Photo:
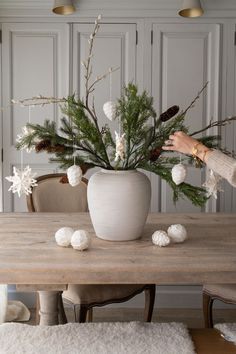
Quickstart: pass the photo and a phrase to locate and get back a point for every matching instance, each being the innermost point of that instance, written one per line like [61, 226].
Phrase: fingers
[171, 148]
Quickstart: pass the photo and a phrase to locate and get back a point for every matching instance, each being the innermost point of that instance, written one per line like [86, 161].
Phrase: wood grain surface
[30, 255]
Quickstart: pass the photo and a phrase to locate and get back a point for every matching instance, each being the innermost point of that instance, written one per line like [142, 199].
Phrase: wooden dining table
[31, 259]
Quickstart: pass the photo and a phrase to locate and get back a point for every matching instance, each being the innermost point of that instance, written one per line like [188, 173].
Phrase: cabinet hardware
[151, 37]
[234, 38]
[136, 37]
[0, 36]
[2, 155]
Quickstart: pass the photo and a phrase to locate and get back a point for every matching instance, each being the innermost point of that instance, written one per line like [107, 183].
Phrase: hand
[181, 142]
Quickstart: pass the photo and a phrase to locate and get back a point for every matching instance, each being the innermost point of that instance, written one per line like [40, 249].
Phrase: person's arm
[220, 163]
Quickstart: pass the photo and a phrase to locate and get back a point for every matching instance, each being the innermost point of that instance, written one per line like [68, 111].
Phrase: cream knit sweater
[222, 164]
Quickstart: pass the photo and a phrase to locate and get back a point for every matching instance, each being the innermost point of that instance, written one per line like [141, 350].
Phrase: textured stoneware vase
[119, 203]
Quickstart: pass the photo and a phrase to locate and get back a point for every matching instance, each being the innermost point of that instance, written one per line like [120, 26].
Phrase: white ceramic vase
[119, 203]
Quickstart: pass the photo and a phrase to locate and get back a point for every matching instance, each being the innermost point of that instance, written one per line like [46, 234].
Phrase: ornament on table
[212, 184]
[109, 108]
[179, 173]
[22, 181]
[63, 236]
[80, 240]
[160, 238]
[177, 233]
[120, 146]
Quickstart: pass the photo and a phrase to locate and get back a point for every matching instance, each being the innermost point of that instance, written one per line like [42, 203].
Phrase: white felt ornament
[178, 173]
[74, 174]
[63, 236]
[109, 108]
[212, 184]
[22, 181]
[177, 233]
[80, 240]
[160, 238]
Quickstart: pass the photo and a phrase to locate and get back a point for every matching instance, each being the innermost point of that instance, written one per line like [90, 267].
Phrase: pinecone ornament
[74, 174]
[179, 173]
[109, 108]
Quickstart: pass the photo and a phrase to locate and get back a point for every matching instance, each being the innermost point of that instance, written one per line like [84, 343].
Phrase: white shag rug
[96, 338]
[228, 331]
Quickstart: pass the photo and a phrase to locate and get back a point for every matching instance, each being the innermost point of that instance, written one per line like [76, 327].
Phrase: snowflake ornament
[25, 132]
[120, 146]
[22, 181]
[212, 184]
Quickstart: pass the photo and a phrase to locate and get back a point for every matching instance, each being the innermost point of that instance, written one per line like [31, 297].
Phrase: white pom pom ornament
[177, 233]
[80, 240]
[109, 108]
[160, 238]
[63, 236]
[74, 174]
[178, 173]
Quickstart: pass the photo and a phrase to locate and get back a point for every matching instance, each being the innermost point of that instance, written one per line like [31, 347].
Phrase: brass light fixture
[191, 8]
[63, 7]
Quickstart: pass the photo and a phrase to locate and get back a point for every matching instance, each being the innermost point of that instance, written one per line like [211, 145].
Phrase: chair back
[52, 196]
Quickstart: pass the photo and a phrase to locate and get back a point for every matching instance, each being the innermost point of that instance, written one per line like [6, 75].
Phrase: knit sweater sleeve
[224, 165]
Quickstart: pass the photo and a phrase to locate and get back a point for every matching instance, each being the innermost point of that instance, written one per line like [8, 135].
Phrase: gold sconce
[63, 7]
[191, 8]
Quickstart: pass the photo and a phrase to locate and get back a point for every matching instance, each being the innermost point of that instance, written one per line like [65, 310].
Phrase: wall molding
[113, 8]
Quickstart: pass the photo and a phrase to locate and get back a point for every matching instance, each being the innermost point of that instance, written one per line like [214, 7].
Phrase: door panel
[35, 61]
[184, 58]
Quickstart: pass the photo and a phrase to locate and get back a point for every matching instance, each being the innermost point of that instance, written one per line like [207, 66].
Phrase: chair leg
[81, 313]
[90, 315]
[61, 310]
[37, 308]
[207, 310]
[149, 302]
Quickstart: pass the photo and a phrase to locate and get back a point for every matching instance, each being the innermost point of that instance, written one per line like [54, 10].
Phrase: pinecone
[42, 145]
[171, 112]
[64, 179]
[154, 154]
[56, 148]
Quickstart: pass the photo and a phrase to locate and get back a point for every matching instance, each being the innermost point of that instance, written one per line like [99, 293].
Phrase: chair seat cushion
[87, 294]
[225, 292]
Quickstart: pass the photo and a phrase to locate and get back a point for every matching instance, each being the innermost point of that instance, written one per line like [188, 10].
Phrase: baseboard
[166, 297]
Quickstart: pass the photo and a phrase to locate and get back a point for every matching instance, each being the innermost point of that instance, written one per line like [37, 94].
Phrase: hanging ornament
[25, 132]
[212, 184]
[109, 108]
[179, 173]
[120, 146]
[22, 181]
[74, 174]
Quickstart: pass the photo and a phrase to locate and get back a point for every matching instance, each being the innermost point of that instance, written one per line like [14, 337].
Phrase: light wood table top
[30, 255]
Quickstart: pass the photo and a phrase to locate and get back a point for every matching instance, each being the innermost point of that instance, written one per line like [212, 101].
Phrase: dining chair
[225, 293]
[52, 196]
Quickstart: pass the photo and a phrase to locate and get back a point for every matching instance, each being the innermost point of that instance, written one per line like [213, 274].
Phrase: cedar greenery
[81, 138]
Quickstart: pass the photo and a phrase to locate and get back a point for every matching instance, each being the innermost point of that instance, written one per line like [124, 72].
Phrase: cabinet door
[184, 58]
[34, 62]
[114, 47]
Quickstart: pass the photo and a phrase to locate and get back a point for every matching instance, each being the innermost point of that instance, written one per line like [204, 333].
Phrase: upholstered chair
[225, 293]
[52, 196]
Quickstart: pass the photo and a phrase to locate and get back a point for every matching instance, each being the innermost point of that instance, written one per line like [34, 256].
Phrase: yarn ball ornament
[80, 240]
[160, 238]
[74, 174]
[179, 173]
[63, 236]
[109, 108]
[177, 233]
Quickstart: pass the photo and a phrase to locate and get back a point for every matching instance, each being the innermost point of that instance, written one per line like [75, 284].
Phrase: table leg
[49, 309]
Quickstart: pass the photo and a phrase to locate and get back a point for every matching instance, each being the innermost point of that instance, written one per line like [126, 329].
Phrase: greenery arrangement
[80, 139]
